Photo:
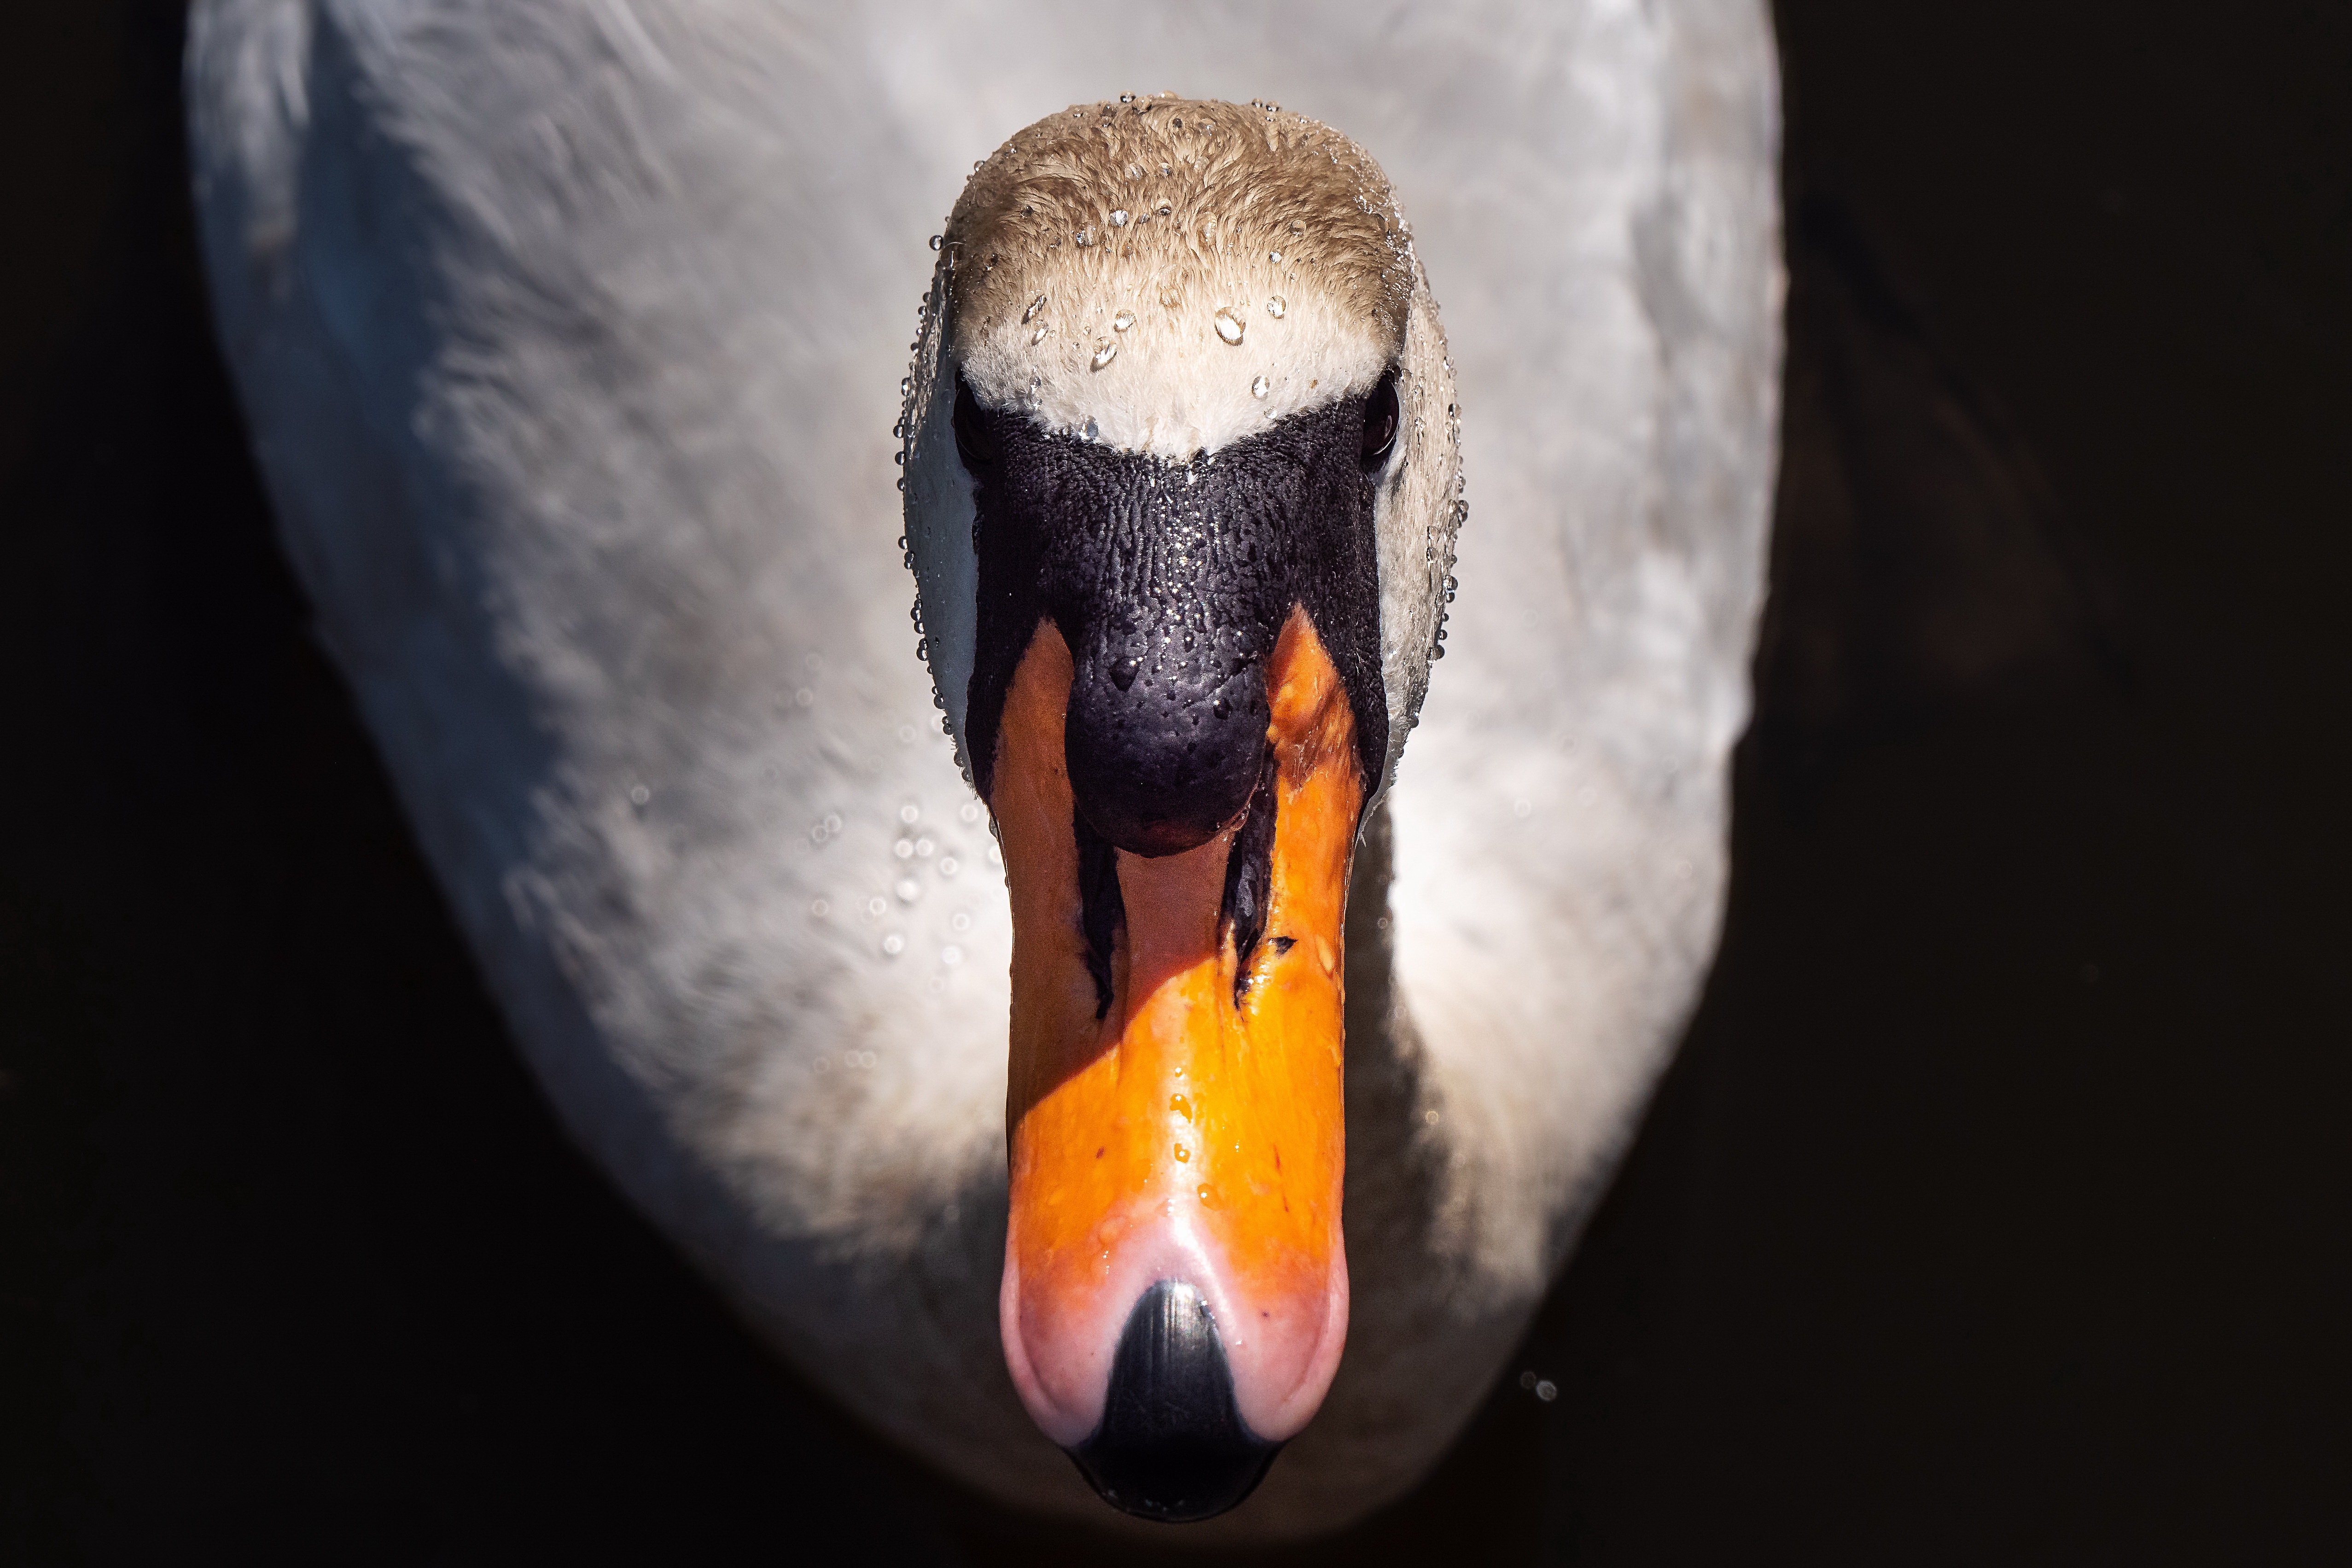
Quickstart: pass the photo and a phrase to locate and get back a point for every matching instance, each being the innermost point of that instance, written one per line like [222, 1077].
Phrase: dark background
[1998, 1208]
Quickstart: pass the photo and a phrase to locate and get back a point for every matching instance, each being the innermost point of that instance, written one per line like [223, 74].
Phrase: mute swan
[563, 333]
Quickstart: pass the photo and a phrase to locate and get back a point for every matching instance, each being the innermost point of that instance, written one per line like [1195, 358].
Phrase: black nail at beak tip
[1172, 1446]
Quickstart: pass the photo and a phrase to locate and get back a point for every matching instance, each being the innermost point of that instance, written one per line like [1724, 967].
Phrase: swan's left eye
[1380, 423]
[973, 441]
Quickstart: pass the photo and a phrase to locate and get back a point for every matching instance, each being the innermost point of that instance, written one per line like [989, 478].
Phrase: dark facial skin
[1171, 581]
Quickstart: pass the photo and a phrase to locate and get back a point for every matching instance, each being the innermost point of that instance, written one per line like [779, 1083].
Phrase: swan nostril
[1172, 1444]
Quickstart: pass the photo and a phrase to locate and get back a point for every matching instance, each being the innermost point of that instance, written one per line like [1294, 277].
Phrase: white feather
[569, 336]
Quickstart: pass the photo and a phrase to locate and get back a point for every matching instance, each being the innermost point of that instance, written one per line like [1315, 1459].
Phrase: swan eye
[1380, 423]
[973, 441]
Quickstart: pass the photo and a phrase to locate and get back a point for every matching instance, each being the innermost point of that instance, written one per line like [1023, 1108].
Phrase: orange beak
[1191, 1129]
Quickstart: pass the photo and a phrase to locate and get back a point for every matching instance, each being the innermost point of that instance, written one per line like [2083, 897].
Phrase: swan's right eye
[973, 444]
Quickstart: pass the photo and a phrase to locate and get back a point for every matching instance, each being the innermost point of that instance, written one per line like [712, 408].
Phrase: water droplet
[899, 458]
[894, 944]
[1220, 708]
[909, 890]
[1182, 1154]
[1123, 320]
[820, 908]
[1274, 257]
[960, 921]
[639, 794]
[1431, 1117]
[925, 848]
[1034, 306]
[1180, 1106]
[1118, 218]
[969, 811]
[875, 908]
[1105, 352]
[950, 956]
[906, 385]
[1260, 387]
[1037, 337]
[1207, 1196]
[1092, 431]
[910, 813]
[904, 848]
[1086, 237]
[1229, 325]
[1547, 1390]
[1276, 306]
[948, 866]
[936, 241]
[1122, 672]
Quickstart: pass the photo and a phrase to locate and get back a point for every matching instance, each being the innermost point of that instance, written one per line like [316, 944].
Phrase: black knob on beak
[1163, 740]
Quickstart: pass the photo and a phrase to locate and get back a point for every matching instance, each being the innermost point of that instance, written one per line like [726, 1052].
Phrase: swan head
[1182, 479]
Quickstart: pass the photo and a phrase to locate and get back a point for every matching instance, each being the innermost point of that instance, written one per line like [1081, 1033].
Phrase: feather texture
[567, 335]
